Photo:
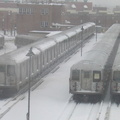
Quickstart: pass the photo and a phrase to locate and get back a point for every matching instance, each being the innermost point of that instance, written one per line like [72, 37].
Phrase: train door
[86, 81]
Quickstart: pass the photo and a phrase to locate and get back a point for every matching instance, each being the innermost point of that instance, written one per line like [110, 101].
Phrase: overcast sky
[106, 2]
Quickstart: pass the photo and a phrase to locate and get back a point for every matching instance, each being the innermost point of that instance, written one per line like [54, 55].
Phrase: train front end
[7, 75]
[86, 82]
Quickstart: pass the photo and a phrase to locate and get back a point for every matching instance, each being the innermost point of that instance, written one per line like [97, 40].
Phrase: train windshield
[96, 76]
[75, 74]
[116, 76]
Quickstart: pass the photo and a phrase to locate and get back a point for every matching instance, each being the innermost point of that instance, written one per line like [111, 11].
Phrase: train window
[10, 70]
[75, 74]
[116, 76]
[2, 68]
[96, 76]
[86, 74]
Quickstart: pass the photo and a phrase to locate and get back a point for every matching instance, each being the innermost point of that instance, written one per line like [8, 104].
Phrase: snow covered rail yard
[7, 105]
[77, 112]
[106, 113]
[114, 112]
[50, 99]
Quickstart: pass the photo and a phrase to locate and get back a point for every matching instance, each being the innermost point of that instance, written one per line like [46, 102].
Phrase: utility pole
[82, 39]
[29, 54]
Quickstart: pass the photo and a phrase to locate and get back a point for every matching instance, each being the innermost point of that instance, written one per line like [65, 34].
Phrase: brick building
[39, 17]
[79, 6]
[42, 16]
[8, 12]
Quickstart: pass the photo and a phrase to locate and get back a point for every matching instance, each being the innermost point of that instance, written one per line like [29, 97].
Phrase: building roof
[8, 5]
[79, 6]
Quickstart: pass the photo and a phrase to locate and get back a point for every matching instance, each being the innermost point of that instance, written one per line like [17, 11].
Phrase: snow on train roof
[70, 33]
[116, 64]
[53, 33]
[86, 25]
[36, 50]
[28, 37]
[46, 45]
[20, 54]
[97, 57]
[90, 61]
[17, 57]
[59, 37]
[105, 47]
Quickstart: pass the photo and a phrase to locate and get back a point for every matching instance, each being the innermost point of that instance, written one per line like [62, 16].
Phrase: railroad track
[79, 111]
[6, 105]
[86, 111]
[114, 112]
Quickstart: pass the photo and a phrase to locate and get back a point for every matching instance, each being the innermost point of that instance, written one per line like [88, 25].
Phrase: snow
[73, 6]
[9, 43]
[50, 98]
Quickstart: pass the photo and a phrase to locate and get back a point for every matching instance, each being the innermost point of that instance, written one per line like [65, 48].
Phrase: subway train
[16, 67]
[23, 40]
[115, 79]
[2, 41]
[89, 77]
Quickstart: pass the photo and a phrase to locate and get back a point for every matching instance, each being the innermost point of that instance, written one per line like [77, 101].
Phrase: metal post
[3, 25]
[29, 90]
[29, 54]
[81, 39]
[96, 25]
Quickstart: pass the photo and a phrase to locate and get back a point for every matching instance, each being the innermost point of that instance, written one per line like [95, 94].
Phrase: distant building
[97, 9]
[8, 12]
[79, 6]
[39, 17]
[117, 8]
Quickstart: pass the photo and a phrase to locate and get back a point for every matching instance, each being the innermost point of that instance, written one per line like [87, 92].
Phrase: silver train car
[88, 77]
[115, 80]
[15, 66]
[22, 40]
[2, 41]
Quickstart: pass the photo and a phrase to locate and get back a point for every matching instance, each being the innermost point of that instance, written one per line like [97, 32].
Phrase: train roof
[116, 64]
[19, 55]
[96, 58]
[90, 62]
[70, 33]
[59, 37]
[27, 37]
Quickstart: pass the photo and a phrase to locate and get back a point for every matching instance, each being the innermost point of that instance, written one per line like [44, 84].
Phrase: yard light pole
[29, 54]
[81, 39]
[3, 25]
[96, 23]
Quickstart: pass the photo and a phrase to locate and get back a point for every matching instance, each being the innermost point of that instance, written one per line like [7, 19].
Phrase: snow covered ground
[49, 100]
[9, 43]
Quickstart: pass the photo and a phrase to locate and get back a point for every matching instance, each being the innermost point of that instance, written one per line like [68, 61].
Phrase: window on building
[44, 11]
[20, 10]
[25, 11]
[44, 24]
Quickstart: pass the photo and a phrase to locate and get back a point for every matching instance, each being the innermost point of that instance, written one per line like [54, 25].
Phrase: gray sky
[106, 2]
